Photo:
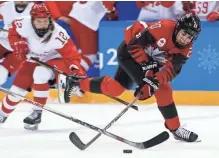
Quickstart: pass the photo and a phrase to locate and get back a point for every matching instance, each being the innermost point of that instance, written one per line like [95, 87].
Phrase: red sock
[8, 105]
[102, 85]
[41, 93]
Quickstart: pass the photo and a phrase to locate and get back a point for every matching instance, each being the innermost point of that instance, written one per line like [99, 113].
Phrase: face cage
[42, 32]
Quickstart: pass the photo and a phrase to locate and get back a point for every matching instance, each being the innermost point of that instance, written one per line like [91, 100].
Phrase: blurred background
[97, 30]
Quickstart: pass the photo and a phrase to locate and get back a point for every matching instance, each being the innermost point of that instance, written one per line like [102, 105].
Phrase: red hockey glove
[75, 69]
[20, 49]
[213, 16]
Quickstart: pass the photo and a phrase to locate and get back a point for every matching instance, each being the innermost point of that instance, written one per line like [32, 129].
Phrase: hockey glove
[76, 70]
[213, 16]
[20, 49]
[147, 89]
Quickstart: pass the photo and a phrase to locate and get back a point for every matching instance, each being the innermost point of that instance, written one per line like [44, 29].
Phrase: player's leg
[123, 78]
[21, 85]
[127, 72]
[41, 86]
[168, 109]
[87, 41]
[99, 85]
[41, 92]
[88, 51]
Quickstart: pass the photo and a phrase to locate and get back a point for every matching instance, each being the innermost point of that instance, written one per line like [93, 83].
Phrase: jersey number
[62, 38]
[155, 25]
[18, 23]
[202, 7]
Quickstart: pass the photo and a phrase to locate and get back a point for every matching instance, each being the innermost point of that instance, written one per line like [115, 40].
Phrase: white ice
[52, 138]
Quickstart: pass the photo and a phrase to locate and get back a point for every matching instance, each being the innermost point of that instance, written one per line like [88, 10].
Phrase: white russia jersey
[39, 49]
[155, 11]
[203, 8]
[9, 14]
[88, 13]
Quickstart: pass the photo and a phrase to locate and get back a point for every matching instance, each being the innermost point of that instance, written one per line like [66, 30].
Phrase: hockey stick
[54, 69]
[143, 145]
[79, 144]
[77, 141]
[123, 102]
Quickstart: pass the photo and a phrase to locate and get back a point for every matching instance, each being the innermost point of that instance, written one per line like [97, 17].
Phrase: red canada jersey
[159, 46]
[162, 31]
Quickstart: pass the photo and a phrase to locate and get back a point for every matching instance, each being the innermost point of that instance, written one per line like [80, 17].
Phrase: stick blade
[76, 141]
[162, 137]
[134, 107]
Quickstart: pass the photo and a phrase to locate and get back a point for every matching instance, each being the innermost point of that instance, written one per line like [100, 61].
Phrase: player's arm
[172, 68]
[72, 57]
[137, 37]
[167, 74]
[55, 12]
[69, 53]
[53, 9]
[18, 43]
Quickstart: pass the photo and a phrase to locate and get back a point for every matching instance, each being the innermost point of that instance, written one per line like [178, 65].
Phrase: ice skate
[183, 134]
[33, 120]
[72, 87]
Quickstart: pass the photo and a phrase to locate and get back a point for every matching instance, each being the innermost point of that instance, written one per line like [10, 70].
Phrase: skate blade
[197, 141]
[31, 127]
[78, 94]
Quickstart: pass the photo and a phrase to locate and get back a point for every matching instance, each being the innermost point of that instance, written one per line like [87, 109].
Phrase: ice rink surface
[52, 138]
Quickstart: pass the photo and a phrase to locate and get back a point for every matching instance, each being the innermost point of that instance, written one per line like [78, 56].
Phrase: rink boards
[180, 97]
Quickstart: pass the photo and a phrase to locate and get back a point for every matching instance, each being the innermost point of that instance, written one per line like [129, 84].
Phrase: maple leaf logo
[156, 54]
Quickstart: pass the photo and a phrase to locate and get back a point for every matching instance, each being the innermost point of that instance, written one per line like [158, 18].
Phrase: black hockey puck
[127, 151]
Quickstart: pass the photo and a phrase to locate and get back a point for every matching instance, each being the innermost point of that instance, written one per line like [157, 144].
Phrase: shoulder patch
[161, 42]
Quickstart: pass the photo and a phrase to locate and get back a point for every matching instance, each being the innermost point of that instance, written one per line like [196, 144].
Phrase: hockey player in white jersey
[9, 11]
[207, 10]
[157, 10]
[40, 37]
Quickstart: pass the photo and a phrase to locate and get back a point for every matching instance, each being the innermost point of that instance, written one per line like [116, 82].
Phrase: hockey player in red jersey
[40, 37]
[151, 56]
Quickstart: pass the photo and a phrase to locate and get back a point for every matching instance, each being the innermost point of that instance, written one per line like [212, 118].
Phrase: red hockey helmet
[39, 10]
